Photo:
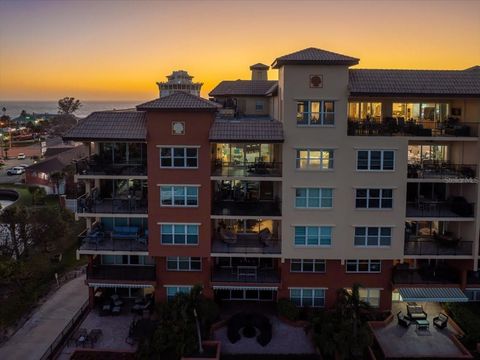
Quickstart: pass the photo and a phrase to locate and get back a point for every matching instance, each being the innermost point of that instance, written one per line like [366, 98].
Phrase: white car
[21, 156]
[17, 170]
[23, 166]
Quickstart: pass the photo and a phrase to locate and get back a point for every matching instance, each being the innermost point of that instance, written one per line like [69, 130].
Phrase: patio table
[423, 324]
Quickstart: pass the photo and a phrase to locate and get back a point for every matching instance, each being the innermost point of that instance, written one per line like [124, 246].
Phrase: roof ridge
[425, 70]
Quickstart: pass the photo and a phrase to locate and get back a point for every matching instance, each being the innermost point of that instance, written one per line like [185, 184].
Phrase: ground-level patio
[397, 342]
[286, 339]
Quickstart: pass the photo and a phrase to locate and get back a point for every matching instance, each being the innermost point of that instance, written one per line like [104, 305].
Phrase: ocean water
[14, 108]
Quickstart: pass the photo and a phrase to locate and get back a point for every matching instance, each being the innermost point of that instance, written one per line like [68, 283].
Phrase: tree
[23, 113]
[68, 105]
[9, 219]
[48, 224]
[37, 193]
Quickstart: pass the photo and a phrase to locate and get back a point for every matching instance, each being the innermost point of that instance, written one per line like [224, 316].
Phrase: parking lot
[4, 178]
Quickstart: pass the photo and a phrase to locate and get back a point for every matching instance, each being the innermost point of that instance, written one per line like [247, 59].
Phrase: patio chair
[440, 321]
[116, 300]
[415, 312]
[402, 320]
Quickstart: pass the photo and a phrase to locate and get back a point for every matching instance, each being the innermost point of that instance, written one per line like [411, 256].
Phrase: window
[315, 198]
[370, 296]
[183, 263]
[315, 113]
[174, 290]
[315, 159]
[179, 195]
[179, 157]
[373, 236]
[307, 265]
[373, 266]
[179, 234]
[375, 160]
[364, 110]
[308, 297]
[259, 105]
[374, 199]
[313, 235]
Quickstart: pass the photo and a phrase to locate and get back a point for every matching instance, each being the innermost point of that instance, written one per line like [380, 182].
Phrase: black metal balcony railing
[425, 128]
[441, 170]
[429, 246]
[246, 244]
[246, 274]
[86, 204]
[434, 208]
[259, 169]
[247, 208]
[92, 167]
[427, 275]
[105, 242]
[122, 272]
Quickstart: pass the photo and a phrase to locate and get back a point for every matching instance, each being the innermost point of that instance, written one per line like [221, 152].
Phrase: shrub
[468, 318]
[288, 309]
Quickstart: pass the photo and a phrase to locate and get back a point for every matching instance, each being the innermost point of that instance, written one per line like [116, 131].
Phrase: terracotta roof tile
[110, 125]
[179, 101]
[414, 82]
[247, 130]
[243, 87]
[314, 56]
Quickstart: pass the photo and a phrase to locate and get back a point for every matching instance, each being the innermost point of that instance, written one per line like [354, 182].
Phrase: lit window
[314, 159]
[315, 113]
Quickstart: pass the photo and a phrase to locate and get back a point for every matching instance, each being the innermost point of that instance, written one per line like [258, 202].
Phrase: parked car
[21, 156]
[23, 165]
[17, 170]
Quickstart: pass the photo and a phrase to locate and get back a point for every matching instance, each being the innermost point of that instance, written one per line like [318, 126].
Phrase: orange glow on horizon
[119, 50]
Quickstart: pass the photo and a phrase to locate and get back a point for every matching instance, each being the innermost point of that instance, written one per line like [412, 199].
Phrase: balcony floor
[258, 208]
[246, 246]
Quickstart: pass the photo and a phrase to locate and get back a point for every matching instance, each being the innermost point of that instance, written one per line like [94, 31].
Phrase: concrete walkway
[33, 339]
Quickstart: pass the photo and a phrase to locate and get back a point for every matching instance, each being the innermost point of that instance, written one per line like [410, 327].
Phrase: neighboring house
[40, 174]
[296, 188]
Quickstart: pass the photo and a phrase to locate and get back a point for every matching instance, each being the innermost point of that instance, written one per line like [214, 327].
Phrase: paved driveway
[33, 339]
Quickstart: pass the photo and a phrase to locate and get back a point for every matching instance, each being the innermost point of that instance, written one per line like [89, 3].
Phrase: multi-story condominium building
[293, 188]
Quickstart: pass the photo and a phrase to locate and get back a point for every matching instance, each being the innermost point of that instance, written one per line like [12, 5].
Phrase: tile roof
[314, 56]
[110, 125]
[59, 161]
[242, 87]
[247, 130]
[414, 82]
[179, 101]
[259, 66]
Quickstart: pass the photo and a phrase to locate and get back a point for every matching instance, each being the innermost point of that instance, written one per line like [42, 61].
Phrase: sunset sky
[117, 50]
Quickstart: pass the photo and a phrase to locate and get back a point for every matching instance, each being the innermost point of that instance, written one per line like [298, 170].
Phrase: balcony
[457, 207]
[247, 208]
[424, 275]
[105, 242]
[90, 166]
[246, 244]
[437, 245]
[422, 128]
[121, 273]
[246, 169]
[246, 274]
[132, 205]
[441, 170]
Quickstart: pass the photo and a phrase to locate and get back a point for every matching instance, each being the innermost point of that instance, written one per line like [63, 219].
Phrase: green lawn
[39, 267]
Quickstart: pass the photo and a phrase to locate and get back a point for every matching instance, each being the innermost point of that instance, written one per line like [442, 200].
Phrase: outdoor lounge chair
[402, 320]
[415, 312]
[440, 321]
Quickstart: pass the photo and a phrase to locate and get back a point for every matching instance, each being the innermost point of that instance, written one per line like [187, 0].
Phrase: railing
[112, 206]
[425, 276]
[395, 127]
[244, 245]
[433, 247]
[247, 274]
[91, 167]
[107, 242]
[259, 169]
[443, 208]
[247, 208]
[122, 272]
[60, 339]
[441, 170]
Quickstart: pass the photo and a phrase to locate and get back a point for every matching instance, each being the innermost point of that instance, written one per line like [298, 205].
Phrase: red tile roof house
[40, 174]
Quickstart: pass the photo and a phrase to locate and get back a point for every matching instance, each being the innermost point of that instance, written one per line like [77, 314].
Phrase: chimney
[259, 71]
